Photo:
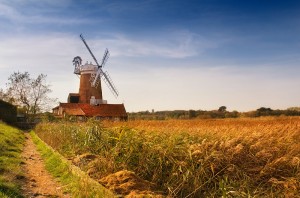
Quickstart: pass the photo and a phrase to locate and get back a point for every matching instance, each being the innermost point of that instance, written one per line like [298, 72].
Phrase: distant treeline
[215, 114]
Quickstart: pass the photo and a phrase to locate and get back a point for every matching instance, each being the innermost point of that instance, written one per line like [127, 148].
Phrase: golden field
[244, 157]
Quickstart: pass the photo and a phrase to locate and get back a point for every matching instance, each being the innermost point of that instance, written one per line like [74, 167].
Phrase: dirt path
[38, 182]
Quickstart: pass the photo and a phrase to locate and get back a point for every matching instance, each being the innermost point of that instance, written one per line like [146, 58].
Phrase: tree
[263, 111]
[222, 109]
[192, 114]
[293, 109]
[29, 93]
[4, 96]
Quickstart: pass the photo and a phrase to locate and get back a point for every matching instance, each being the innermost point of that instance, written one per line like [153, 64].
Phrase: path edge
[75, 181]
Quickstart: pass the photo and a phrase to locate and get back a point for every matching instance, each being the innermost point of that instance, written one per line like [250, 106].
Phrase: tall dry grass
[191, 158]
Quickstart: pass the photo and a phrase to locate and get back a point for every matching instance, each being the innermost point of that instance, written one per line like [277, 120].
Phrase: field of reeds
[258, 157]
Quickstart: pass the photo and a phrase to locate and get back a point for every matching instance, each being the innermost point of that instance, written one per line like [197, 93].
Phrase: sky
[164, 54]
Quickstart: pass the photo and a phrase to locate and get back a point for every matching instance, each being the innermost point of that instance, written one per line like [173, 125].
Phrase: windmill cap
[88, 67]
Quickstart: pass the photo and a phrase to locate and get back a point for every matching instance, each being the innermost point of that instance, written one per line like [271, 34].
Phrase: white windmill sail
[95, 79]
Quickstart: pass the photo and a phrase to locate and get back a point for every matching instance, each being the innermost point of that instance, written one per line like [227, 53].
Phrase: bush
[8, 112]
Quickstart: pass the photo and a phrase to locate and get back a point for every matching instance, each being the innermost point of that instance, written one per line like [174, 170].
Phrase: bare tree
[29, 93]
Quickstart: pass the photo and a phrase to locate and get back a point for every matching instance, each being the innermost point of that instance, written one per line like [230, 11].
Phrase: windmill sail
[86, 45]
[105, 57]
[95, 80]
[96, 77]
[106, 78]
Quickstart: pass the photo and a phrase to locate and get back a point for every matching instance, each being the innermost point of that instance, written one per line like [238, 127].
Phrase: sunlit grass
[11, 144]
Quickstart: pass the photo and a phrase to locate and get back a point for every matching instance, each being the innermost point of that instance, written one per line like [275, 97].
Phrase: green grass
[74, 180]
[11, 145]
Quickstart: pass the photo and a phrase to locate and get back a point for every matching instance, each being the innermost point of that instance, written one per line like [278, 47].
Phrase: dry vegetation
[189, 158]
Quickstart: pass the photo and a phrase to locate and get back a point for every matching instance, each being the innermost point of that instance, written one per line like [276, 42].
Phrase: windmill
[90, 90]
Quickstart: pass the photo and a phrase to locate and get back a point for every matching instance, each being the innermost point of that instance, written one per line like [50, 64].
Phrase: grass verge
[76, 182]
[11, 145]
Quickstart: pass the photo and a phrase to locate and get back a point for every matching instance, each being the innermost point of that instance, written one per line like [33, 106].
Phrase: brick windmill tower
[86, 91]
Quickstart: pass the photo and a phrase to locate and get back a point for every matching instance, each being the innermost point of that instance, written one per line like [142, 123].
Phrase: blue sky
[165, 55]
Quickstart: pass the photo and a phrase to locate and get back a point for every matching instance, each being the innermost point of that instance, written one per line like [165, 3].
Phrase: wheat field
[245, 157]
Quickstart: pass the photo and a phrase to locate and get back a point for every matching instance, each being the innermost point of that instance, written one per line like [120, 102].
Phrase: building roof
[103, 110]
[74, 111]
[73, 94]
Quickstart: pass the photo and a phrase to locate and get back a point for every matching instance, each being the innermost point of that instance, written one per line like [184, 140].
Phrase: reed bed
[191, 158]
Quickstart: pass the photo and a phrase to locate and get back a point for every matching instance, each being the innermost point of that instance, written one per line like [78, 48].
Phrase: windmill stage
[89, 101]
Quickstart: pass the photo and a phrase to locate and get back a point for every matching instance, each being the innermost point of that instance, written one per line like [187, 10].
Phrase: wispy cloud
[121, 7]
[180, 44]
[13, 11]
[9, 12]
[37, 50]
